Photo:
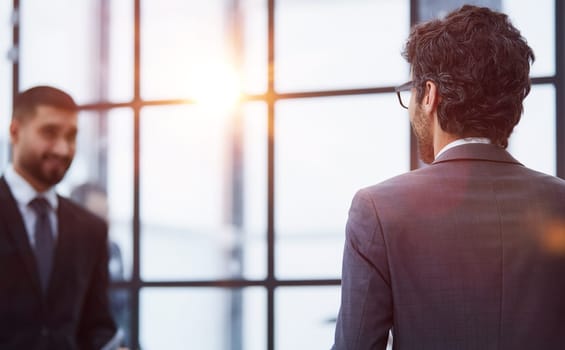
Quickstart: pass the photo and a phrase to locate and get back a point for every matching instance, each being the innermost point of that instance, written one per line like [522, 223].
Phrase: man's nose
[63, 148]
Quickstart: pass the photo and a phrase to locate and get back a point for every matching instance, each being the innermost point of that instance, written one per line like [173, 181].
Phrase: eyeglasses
[404, 92]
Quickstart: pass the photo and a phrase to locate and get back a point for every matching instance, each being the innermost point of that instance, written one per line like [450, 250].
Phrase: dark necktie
[44, 241]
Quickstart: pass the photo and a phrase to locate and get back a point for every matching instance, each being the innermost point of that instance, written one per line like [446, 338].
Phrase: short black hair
[480, 64]
[27, 101]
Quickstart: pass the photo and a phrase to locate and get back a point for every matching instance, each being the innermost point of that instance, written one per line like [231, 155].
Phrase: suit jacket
[467, 253]
[73, 313]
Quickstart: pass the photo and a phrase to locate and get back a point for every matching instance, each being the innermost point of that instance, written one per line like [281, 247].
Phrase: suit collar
[12, 219]
[477, 151]
[23, 192]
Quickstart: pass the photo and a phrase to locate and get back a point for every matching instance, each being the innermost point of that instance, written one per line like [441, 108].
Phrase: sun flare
[216, 86]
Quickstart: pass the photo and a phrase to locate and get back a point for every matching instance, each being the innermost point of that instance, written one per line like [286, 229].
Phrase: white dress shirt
[24, 193]
[460, 142]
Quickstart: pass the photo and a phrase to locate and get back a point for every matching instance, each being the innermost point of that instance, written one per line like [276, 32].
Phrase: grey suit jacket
[468, 253]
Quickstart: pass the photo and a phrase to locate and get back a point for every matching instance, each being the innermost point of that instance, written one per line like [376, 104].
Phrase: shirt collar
[463, 141]
[23, 192]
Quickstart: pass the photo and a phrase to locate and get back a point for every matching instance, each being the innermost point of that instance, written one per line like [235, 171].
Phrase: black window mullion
[271, 99]
[414, 160]
[560, 88]
[16, 20]
[136, 283]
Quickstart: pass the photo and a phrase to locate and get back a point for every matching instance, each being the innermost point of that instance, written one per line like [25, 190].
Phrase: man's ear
[14, 129]
[431, 98]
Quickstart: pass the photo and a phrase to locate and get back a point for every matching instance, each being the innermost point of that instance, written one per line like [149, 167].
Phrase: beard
[423, 131]
[48, 169]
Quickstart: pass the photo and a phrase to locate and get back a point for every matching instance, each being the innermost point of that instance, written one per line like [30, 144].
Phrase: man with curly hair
[468, 252]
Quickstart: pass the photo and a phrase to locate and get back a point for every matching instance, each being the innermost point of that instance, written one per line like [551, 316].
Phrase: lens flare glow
[216, 86]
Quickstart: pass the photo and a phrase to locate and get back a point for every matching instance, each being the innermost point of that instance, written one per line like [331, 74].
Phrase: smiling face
[43, 145]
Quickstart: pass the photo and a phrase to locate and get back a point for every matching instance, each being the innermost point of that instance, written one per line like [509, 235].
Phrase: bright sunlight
[215, 86]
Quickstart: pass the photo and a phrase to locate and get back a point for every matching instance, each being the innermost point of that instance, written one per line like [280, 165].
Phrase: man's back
[467, 253]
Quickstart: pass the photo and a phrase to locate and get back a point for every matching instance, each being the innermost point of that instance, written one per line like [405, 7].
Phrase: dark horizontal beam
[245, 98]
[265, 97]
[544, 80]
[229, 283]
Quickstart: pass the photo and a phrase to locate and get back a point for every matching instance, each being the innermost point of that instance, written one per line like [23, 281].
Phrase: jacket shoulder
[81, 217]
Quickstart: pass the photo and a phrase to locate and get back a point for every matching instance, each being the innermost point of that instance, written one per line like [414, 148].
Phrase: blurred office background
[230, 137]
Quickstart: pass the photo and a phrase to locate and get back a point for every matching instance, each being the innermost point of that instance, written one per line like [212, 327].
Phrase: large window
[230, 136]
[6, 81]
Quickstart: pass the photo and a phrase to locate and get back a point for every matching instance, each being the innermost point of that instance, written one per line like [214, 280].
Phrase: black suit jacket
[74, 313]
[467, 253]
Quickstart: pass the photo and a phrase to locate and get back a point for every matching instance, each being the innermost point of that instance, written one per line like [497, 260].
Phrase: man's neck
[441, 137]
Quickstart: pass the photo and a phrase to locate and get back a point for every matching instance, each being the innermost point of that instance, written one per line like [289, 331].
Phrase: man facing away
[53, 253]
[469, 252]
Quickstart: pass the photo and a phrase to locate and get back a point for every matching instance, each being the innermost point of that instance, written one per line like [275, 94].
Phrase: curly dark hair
[480, 64]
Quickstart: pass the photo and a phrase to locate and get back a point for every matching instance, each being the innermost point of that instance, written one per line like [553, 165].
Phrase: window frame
[135, 285]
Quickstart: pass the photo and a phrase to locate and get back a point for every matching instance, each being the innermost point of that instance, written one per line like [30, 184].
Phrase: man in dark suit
[53, 253]
[468, 252]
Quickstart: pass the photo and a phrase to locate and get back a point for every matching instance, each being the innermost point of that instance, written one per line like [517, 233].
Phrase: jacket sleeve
[97, 326]
[365, 315]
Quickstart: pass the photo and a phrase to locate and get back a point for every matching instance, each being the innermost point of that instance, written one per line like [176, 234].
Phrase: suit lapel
[12, 219]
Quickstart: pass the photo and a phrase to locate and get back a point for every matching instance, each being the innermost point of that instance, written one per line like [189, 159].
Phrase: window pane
[120, 52]
[203, 318]
[72, 52]
[185, 47]
[305, 317]
[6, 81]
[255, 60]
[536, 22]
[534, 19]
[254, 198]
[429, 9]
[533, 140]
[101, 179]
[340, 44]
[120, 183]
[192, 193]
[327, 149]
